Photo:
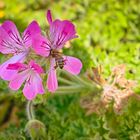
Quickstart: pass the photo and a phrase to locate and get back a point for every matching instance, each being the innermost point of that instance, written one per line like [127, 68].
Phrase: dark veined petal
[41, 45]
[32, 30]
[7, 44]
[7, 74]
[36, 67]
[61, 32]
[12, 31]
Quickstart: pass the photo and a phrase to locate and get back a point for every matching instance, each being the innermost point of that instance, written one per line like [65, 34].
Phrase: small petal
[18, 80]
[32, 30]
[49, 16]
[33, 88]
[72, 65]
[61, 32]
[38, 84]
[52, 83]
[41, 45]
[17, 66]
[29, 91]
[7, 74]
[36, 67]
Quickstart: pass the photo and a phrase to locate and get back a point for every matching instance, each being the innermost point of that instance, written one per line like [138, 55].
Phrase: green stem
[29, 109]
[81, 81]
[78, 89]
[70, 89]
[85, 83]
[65, 81]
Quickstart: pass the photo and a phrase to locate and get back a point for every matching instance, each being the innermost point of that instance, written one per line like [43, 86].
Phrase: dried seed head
[117, 90]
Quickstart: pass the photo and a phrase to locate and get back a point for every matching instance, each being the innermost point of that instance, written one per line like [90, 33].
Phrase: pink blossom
[30, 74]
[12, 43]
[60, 32]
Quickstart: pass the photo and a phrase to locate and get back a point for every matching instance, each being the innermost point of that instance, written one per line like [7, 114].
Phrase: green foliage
[109, 34]
[64, 119]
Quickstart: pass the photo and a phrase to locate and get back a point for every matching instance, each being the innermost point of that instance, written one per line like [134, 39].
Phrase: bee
[60, 62]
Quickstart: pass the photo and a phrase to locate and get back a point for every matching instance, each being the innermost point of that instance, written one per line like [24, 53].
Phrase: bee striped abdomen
[59, 60]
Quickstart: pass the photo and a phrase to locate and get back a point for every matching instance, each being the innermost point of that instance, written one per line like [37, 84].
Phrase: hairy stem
[29, 109]
[69, 89]
[66, 81]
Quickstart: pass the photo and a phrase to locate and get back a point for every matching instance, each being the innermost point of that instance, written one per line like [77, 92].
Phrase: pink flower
[12, 43]
[30, 74]
[60, 32]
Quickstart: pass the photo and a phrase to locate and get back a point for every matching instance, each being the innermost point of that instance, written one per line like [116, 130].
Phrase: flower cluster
[20, 48]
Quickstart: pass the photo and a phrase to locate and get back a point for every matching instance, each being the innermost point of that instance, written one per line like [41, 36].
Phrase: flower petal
[7, 74]
[41, 45]
[12, 31]
[29, 91]
[7, 45]
[18, 80]
[32, 30]
[38, 84]
[52, 83]
[38, 69]
[61, 32]
[35, 86]
[49, 16]
[17, 66]
[72, 65]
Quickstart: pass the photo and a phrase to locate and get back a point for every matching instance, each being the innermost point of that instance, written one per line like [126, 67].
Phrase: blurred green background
[109, 34]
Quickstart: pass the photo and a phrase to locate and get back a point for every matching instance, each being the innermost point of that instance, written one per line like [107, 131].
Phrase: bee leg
[56, 66]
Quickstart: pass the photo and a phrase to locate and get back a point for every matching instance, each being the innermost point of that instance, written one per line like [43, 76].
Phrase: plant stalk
[29, 109]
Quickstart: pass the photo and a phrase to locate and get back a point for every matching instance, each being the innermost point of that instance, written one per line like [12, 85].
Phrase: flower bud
[36, 129]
